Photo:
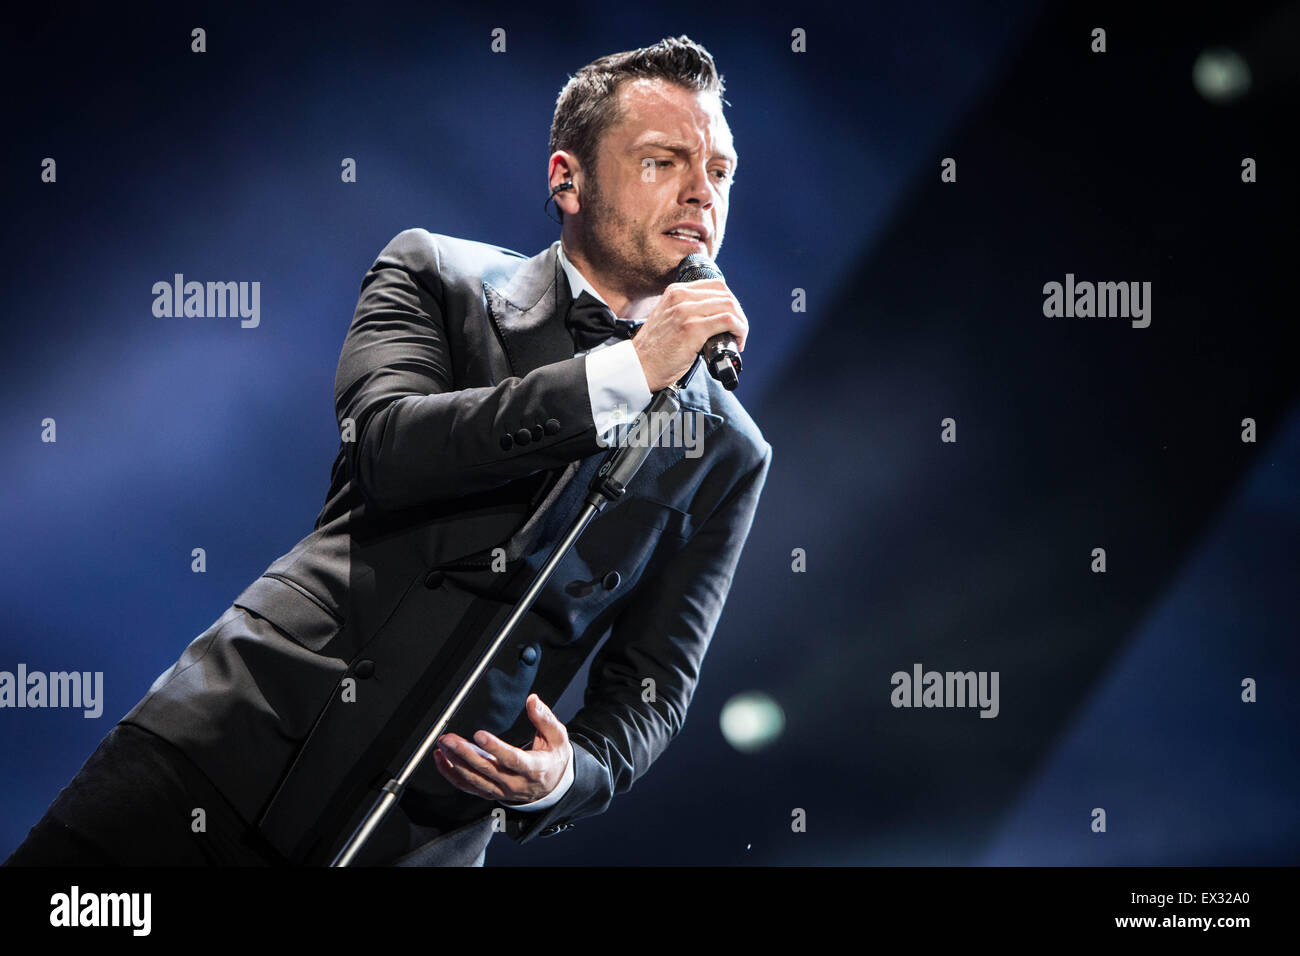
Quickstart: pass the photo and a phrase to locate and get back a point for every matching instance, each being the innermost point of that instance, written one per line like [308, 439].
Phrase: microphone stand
[610, 482]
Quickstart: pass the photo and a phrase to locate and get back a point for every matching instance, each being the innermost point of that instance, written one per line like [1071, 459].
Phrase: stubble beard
[618, 247]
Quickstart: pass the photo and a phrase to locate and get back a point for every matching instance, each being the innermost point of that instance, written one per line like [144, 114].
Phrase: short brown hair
[588, 104]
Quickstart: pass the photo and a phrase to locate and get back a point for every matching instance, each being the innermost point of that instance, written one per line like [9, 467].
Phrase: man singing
[477, 393]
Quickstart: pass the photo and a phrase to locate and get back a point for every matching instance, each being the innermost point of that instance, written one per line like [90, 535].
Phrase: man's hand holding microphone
[685, 318]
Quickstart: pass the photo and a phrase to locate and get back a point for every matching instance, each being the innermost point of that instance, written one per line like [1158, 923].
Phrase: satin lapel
[528, 312]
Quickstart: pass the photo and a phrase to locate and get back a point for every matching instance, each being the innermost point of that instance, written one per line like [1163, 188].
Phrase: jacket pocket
[416, 661]
[649, 513]
[294, 610]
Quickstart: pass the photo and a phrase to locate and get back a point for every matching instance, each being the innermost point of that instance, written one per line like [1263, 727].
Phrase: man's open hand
[514, 776]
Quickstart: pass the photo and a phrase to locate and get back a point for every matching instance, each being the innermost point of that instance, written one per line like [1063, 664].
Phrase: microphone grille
[697, 266]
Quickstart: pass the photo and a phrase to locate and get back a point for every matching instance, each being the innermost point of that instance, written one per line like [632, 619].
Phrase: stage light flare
[751, 721]
[1221, 75]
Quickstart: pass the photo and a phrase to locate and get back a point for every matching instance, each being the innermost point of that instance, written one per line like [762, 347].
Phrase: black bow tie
[590, 322]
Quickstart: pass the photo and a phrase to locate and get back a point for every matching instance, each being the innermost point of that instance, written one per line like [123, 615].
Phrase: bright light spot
[1221, 75]
[751, 721]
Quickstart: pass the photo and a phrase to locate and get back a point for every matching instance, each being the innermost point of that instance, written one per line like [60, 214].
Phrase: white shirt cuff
[616, 386]
[551, 798]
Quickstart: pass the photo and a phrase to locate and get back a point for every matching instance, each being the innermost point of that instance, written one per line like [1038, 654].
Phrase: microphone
[721, 356]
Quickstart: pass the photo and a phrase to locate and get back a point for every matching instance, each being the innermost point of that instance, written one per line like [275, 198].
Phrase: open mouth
[687, 236]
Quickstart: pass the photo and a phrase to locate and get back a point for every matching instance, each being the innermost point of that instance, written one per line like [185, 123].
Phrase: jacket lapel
[528, 311]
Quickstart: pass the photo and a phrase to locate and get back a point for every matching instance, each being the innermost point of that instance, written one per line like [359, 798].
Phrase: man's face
[667, 163]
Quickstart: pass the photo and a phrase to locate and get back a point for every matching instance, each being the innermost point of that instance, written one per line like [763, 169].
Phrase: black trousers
[134, 803]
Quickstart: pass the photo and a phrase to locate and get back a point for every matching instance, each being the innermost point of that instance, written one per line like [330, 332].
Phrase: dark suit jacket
[466, 426]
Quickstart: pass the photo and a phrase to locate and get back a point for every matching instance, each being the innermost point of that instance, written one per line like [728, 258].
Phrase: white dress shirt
[618, 391]
[616, 384]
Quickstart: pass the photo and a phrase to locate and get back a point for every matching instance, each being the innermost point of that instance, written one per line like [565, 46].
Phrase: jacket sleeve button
[523, 436]
[506, 442]
[551, 426]
[537, 432]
